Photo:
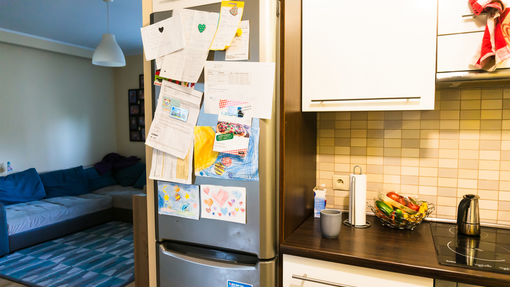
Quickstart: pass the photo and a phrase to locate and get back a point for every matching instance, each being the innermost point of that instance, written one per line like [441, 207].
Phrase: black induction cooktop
[488, 252]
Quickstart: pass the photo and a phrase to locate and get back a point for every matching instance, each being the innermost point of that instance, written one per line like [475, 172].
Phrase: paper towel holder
[353, 183]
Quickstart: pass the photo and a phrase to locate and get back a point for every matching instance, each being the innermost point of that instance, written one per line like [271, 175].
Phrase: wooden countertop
[384, 248]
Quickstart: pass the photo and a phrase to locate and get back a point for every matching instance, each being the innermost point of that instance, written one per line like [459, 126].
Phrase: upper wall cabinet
[460, 35]
[368, 55]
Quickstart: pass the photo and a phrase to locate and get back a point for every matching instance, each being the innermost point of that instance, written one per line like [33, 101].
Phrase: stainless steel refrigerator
[218, 253]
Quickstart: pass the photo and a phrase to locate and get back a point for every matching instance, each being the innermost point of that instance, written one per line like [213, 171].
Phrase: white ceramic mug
[331, 222]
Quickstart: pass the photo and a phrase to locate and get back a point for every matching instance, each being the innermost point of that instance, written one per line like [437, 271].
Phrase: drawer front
[450, 20]
[455, 52]
[342, 274]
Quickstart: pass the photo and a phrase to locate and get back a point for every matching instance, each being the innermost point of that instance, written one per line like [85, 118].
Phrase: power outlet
[341, 182]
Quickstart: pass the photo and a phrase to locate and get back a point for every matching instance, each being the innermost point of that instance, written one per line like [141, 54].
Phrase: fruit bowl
[398, 211]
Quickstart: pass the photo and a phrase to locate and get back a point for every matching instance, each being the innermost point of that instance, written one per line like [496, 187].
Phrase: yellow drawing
[166, 197]
[187, 196]
[204, 154]
[164, 189]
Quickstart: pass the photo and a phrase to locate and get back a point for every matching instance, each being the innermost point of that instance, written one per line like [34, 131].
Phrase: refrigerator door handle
[205, 262]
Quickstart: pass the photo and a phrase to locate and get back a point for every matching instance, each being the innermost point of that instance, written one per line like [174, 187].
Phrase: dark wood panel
[383, 248]
[140, 241]
[298, 131]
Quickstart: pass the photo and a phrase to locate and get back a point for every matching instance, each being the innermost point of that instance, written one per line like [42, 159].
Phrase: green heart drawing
[201, 27]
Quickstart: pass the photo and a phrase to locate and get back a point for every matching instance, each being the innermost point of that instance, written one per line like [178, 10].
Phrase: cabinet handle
[473, 15]
[305, 278]
[367, 99]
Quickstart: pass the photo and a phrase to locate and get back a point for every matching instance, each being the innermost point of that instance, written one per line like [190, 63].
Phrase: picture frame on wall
[133, 96]
[140, 80]
[134, 109]
[135, 136]
[133, 123]
[136, 105]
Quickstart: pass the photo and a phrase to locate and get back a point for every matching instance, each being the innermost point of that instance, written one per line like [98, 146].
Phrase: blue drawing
[178, 199]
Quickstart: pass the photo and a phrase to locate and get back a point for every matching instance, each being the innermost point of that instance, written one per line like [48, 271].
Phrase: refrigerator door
[182, 268]
[258, 235]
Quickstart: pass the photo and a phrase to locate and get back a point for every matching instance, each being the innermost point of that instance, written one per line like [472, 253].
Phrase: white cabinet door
[455, 52]
[330, 273]
[374, 55]
[456, 16]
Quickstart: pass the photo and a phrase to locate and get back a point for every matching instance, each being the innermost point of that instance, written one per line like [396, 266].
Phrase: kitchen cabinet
[455, 16]
[379, 55]
[301, 271]
[455, 52]
[460, 35]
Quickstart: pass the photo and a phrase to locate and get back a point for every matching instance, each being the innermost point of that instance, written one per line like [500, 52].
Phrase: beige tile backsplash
[461, 147]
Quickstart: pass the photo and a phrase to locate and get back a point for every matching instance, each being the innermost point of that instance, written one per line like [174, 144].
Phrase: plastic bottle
[9, 168]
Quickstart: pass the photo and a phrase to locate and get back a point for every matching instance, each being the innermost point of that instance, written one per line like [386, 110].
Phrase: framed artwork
[134, 109]
[135, 136]
[136, 105]
[140, 80]
[133, 123]
[133, 96]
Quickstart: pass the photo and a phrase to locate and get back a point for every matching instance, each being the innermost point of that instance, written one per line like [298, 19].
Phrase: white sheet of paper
[170, 134]
[225, 203]
[187, 64]
[167, 167]
[234, 127]
[251, 82]
[162, 38]
[172, 38]
[230, 16]
[240, 47]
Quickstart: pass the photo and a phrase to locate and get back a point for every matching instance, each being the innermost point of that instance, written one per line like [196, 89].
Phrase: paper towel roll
[357, 199]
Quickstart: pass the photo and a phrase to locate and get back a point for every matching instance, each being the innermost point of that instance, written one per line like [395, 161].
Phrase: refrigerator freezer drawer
[177, 269]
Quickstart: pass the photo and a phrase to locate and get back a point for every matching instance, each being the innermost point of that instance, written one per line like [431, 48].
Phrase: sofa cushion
[97, 181]
[64, 182]
[142, 180]
[31, 215]
[129, 175]
[21, 187]
[122, 196]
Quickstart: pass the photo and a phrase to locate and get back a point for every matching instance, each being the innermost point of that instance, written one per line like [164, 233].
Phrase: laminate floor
[7, 283]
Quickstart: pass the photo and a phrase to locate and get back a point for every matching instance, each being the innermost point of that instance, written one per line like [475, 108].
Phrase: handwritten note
[231, 14]
[187, 64]
[162, 38]
[240, 46]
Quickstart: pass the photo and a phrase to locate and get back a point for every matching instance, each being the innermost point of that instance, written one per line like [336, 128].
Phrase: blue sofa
[35, 208]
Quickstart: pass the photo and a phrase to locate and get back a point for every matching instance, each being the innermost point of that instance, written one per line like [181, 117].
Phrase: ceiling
[76, 22]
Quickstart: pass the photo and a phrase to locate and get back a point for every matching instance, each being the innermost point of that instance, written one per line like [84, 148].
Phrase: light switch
[341, 182]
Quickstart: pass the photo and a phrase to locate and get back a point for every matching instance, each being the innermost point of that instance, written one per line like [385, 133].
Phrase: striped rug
[99, 256]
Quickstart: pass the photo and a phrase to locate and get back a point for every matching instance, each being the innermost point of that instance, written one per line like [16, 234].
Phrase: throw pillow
[97, 181]
[142, 180]
[21, 187]
[129, 175]
[64, 182]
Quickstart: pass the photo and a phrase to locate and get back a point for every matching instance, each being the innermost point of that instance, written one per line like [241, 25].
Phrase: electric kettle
[468, 216]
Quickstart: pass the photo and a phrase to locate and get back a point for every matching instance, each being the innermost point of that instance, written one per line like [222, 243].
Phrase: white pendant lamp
[108, 52]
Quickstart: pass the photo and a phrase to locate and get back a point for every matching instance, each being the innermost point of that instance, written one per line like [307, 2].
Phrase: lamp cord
[108, 17]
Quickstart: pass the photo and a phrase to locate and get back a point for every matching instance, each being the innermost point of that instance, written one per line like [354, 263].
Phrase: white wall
[56, 111]
[127, 78]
